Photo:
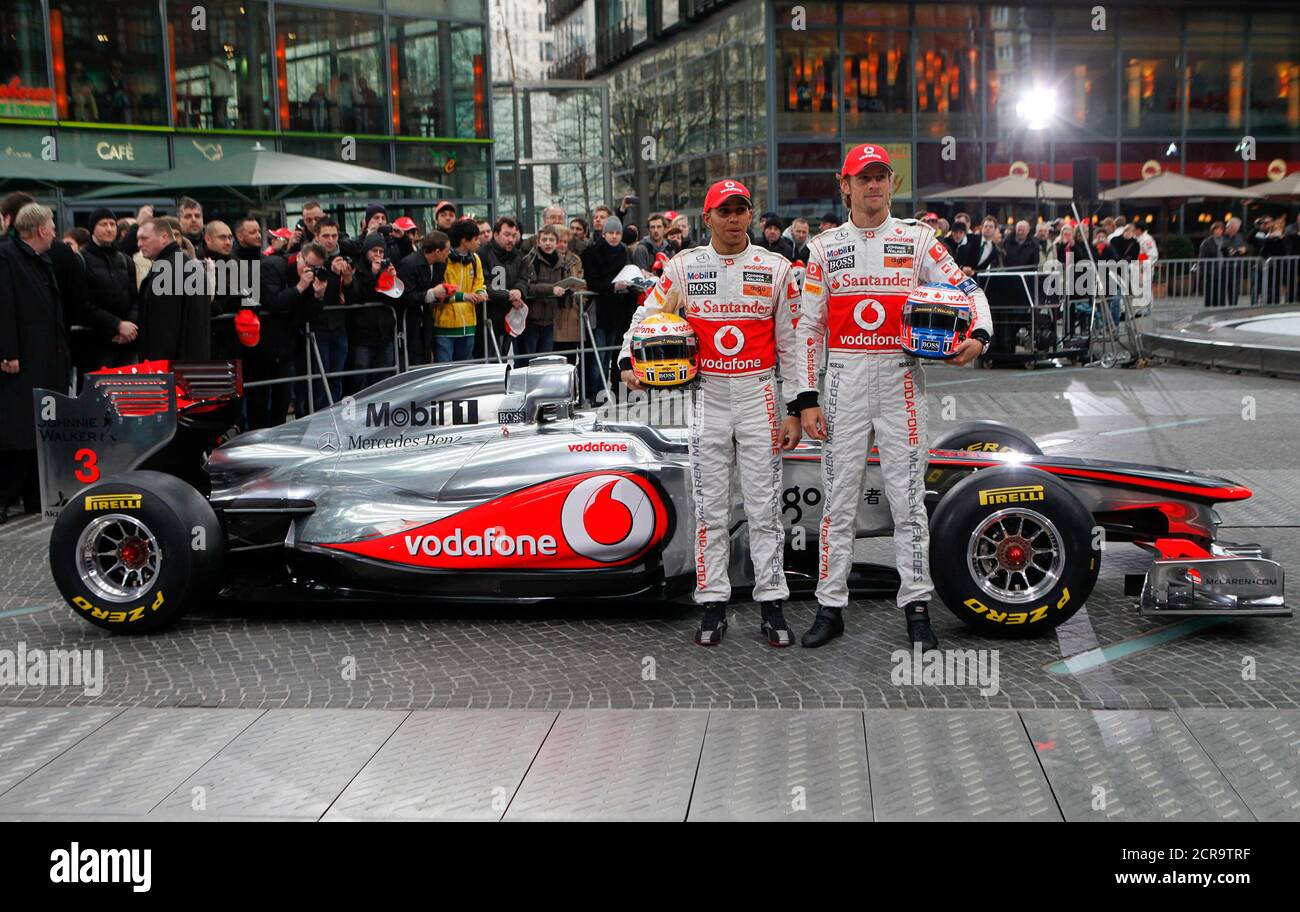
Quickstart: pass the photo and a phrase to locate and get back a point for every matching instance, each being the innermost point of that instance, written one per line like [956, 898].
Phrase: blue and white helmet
[936, 320]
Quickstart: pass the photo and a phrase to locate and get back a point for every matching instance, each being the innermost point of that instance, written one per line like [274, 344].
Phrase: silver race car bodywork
[480, 482]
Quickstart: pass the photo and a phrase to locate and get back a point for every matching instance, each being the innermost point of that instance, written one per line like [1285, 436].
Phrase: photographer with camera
[370, 329]
[330, 327]
[290, 297]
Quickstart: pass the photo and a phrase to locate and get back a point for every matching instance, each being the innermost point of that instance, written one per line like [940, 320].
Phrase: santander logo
[607, 518]
[729, 340]
[869, 313]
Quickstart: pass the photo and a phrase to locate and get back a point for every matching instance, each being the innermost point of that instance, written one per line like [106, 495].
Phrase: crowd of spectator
[467, 288]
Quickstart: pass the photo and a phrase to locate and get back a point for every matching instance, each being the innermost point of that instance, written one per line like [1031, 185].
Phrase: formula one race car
[480, 482]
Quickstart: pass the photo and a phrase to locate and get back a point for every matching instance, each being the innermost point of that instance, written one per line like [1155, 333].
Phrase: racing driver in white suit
[859, 276]
[740, 300]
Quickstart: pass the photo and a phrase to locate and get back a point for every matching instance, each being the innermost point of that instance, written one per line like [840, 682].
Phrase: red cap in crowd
[248, 327]
[671, 215]
[724, 190]
[404, 224]
[861, 156]
[444, 204]
[283, 234]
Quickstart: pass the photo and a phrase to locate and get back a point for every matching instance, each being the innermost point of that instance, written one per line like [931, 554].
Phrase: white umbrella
[1011, 187]
[1287, 186]
[1172, 185]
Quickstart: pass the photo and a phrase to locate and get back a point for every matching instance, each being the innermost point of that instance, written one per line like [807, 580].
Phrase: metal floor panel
[1259, 753]
[783, 765]
[614, 765]
[954, 765]
[129, 764]
[1129, 765]
[31, 737]
[289, 764]
[454, 764]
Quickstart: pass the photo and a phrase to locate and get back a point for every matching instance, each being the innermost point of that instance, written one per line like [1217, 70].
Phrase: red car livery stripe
[1214, 493]
[580, 522]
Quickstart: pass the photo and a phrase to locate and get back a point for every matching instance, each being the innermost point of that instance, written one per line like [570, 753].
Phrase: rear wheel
[133, 553]
[1012, 551]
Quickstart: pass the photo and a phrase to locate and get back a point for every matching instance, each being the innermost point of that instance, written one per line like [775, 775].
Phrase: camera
[321, 272]
[385, 263]
[385, 230]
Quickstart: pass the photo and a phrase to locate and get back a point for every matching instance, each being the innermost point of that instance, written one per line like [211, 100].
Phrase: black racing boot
[713, 625]
[774, 625]
[827, 625]
[918, 626]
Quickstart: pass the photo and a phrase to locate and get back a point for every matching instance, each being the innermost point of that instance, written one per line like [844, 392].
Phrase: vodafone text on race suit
[853, 294]
[742, 309]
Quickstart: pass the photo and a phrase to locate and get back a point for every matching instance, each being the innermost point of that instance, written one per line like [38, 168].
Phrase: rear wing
[122, 417]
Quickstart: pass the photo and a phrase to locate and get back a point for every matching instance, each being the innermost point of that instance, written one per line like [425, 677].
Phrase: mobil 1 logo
[435, 413]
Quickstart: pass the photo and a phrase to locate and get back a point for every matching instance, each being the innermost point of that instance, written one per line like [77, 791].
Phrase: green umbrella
[274, 176]
[58, 174]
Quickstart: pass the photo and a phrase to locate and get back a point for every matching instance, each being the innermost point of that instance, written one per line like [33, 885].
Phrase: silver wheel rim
[1016, 555]
[118, 557]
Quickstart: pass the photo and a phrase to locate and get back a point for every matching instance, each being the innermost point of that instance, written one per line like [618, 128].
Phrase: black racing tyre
[1011, 551]
[986, 437]
[131, 554]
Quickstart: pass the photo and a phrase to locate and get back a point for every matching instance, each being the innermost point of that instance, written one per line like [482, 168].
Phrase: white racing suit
[853, 295]
[742, 310]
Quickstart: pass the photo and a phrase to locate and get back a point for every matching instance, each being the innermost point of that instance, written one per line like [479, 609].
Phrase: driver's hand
[630, 380]
[813, 422]
[967, 352]
[791, 433]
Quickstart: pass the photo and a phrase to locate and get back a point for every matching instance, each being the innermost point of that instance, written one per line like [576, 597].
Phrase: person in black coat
[110, 291]
[173, 303]
[1020, 251]
[1208, 256]
[34, 348]
[959, 247]
[370, 329]
[290, 296]
[421, 273]
[503, 267]
[614, 306]
[772, 240]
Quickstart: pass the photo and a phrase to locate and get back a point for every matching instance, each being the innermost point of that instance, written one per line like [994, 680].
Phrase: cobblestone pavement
[562, 657]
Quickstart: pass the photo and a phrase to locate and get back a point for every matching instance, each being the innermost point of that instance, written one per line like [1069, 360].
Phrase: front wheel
[1012, 551]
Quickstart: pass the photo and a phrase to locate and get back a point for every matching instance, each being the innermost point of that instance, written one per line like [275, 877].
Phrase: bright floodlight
[1036, 108]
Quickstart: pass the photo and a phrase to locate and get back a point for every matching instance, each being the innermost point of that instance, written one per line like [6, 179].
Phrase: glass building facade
[145, 86]
[1174, 87]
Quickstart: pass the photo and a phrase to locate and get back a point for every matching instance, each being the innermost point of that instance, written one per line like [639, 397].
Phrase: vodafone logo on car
[729, 340]
[608, 518]
[579, 522]
[869, 314]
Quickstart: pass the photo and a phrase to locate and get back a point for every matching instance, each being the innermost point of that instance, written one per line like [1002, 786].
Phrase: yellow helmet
[664, 350]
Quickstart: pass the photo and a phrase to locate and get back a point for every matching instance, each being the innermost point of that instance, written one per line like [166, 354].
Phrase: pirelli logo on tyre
[1017, 494]
[113, 502]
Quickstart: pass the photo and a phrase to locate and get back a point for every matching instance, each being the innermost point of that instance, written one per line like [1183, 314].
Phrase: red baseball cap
[282, 233]
[861, 156]
[444, 204]
[930, 215]
[724, 190]
[671, 215]
[404, 224]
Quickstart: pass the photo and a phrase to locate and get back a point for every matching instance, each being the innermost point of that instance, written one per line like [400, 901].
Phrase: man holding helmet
[737, 298]
[859, 278]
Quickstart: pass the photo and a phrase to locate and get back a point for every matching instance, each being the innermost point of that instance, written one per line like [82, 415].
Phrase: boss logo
[701, 288]
[840, 263]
